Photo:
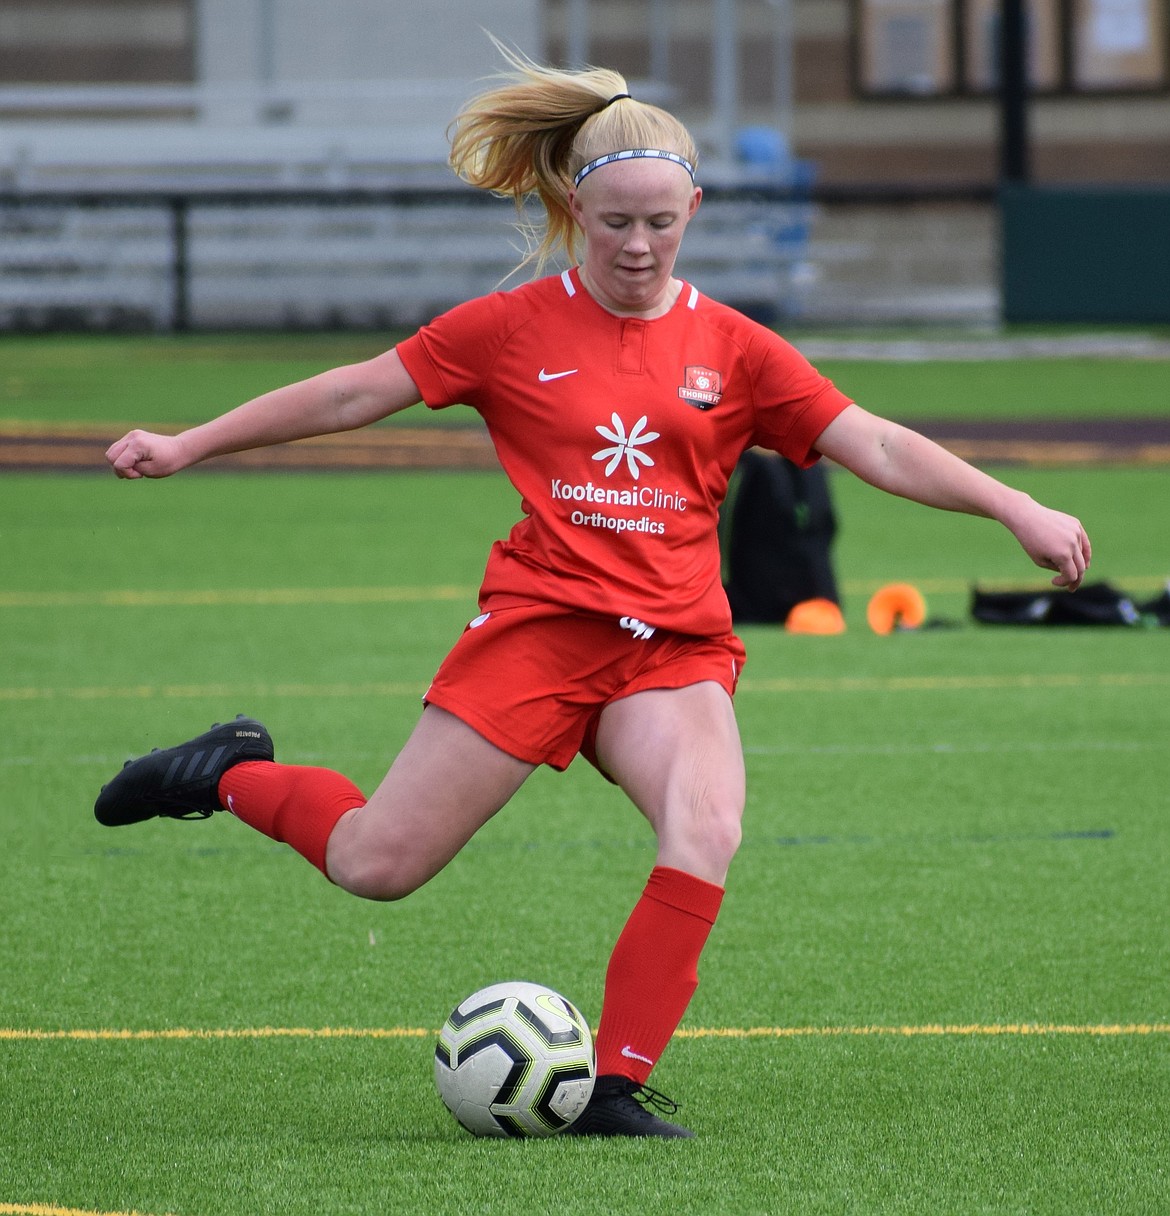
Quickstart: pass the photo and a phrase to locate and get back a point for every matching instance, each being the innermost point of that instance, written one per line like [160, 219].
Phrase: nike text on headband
[633, 154]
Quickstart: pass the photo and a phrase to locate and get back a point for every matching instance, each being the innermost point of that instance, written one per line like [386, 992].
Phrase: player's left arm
[903, 462]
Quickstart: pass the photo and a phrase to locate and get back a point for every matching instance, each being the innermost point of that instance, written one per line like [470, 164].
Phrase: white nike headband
[633, 154]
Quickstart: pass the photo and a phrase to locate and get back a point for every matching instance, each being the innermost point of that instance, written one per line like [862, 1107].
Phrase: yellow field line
[793, 684]
[257, 1032]
[965, 1030]
[263, 597]
[929, 1030]
[51, 1209]
[219, 597]
[214, 691]
[969, 683]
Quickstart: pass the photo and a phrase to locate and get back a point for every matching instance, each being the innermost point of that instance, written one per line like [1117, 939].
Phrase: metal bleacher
[198, 208]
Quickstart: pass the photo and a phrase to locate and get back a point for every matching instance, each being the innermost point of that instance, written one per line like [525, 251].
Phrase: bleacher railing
[421, 247]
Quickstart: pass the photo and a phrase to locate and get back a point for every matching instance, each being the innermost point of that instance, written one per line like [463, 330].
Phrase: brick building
[874, 91]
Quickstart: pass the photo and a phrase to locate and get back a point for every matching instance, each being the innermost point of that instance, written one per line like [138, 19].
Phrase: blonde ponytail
[531, 134]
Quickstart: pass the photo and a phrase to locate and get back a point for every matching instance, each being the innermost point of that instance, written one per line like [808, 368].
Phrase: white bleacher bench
[106, 136]
[265, 261]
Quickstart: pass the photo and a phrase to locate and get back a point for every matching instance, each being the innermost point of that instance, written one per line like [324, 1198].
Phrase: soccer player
[619, 399]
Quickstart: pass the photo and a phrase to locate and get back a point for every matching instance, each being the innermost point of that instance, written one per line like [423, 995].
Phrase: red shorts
[534, 679]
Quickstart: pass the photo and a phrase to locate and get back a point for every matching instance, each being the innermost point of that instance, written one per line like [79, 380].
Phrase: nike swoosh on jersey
[545, 377]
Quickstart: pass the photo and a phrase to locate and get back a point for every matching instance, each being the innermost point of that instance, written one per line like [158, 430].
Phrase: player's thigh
[677, 754]
[444, 785]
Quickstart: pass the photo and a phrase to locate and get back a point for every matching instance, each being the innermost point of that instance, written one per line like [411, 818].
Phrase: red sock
[291, 803]
[653, 971]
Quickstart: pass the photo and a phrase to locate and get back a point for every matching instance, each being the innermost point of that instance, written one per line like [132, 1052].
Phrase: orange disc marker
[895, 606]
[815, 616]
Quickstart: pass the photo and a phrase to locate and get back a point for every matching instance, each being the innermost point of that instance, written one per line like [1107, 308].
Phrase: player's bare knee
[722, 833]
[371, 877]
[712, 831]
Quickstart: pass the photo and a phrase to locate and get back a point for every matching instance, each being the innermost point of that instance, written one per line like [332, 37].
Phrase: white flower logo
[625, 445]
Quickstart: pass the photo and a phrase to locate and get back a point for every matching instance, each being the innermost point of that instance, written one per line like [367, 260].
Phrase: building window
[907, 46]
[940, 48]
[1119, 44]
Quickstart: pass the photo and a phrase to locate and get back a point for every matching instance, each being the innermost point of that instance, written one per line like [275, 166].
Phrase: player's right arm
[341, 399]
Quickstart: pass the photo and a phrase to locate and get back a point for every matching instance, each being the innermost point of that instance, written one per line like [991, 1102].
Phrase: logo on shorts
[638, 628]
[702, 387]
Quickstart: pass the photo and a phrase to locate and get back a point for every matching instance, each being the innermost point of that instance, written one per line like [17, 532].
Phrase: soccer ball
[515, 1059]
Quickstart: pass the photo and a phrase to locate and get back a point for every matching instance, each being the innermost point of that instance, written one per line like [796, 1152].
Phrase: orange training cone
[895, 606]
[815, 616]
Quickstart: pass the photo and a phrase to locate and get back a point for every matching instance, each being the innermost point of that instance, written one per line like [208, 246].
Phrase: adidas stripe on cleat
[181, 782]
[618, 1107]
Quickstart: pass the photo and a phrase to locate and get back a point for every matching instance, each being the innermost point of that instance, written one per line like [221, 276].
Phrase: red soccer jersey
[620, 435]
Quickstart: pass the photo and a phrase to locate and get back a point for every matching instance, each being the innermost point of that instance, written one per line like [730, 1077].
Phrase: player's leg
[447, 782]
[677, 754]
[492, 701]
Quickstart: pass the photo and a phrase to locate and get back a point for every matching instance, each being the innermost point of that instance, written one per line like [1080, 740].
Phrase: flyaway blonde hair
[531, 134]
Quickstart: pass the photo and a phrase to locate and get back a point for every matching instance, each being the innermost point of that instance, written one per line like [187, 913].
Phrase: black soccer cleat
[618, 1107]
[181, 782]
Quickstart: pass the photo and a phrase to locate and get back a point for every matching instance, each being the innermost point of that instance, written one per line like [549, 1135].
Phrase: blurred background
[217, 164]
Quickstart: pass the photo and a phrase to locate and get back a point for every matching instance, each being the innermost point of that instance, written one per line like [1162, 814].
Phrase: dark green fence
[1086, 253]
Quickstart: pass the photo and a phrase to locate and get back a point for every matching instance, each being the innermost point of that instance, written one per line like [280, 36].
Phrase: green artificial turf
[938, 984]
[165, 379]
[1008, 389]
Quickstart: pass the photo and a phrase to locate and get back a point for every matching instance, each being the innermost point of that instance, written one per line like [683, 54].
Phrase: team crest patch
[702, 387]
